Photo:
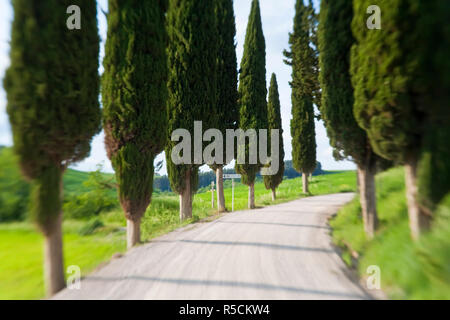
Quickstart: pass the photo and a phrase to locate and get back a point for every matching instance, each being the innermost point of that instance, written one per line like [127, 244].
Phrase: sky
[277, 18]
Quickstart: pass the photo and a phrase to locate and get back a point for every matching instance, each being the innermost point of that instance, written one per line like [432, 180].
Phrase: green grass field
[408, 270]
[21, 274]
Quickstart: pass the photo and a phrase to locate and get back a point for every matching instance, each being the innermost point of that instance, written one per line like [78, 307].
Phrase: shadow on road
[252, 244]
[220, 283]
[277, 224]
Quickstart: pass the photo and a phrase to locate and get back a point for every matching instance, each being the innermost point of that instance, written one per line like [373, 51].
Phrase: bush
[90, 227]
[87, 205]
[101, 197]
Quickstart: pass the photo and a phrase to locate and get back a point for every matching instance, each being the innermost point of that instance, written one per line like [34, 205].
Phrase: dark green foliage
[402, 87]
[434, 164]
[313, 19]
[134, 97]
[227, 107]
[252, 87]
[14, 190]
[52, 88]
[303, 59]
[192, 56]
[274, 121]
[335, 43]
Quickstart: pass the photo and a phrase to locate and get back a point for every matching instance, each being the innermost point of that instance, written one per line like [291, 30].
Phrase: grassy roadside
[408, 270]
[92, 242]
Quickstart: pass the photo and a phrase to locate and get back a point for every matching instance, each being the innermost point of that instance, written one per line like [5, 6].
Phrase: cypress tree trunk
[305, 182]
[274, 194]
[53, 259]
[133, 232]
[47, 197]
[251, 196]
[220, 192]
[186, 198]
[418, 220]
[366, 177]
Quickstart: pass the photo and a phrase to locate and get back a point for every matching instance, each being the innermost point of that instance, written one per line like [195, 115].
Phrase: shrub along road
[278, 252]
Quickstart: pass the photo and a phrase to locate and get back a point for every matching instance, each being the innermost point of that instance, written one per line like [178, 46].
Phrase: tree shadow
[250, 244]
[234, 284]
[278, 224]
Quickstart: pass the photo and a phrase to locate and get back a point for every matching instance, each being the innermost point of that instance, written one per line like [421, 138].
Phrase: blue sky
[277, 17]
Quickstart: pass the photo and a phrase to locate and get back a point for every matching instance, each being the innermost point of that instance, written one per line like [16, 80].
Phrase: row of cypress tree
[254, 111]
[200, 75]
[203, 87]
[386, 94]
[167, 64]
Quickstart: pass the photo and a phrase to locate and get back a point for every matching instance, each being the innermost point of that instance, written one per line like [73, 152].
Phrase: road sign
[231, 176]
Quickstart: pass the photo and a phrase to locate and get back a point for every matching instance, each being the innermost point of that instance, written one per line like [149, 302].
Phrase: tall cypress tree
[346, 137]
[252, 92]
[52, 88]
[303, 59]
[274, 122]
[402, 94]
[192, 54]
[134, 99]
[227, 108]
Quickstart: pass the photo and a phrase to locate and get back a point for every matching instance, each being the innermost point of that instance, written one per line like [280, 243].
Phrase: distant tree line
[205, 178]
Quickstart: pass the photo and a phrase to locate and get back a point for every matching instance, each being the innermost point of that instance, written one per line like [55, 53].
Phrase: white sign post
[232, 195]
[232, 177]
[212, 194]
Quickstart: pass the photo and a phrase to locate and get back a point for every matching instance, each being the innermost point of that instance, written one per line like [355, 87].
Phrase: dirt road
[279, 252]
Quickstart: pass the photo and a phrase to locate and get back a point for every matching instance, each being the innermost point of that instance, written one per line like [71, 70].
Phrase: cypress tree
[402, 88]
[303, 59]
[192, 56]
[274, 122]
[252, 92]
[227, 108]
[346, 137]
[134, 98]
[52, 89]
